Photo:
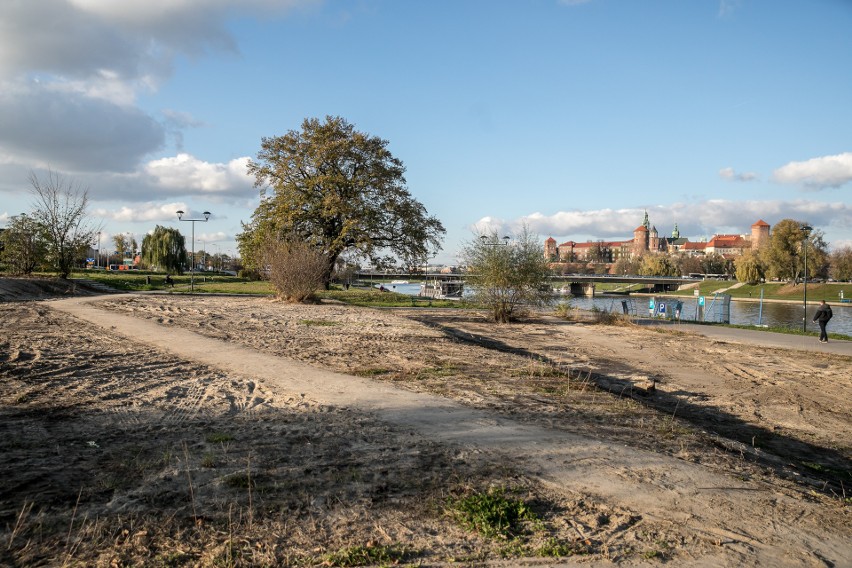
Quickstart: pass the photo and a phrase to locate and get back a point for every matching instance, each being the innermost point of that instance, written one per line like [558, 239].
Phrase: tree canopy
[338, 190]
[22, 245]
[749, 268]
[60, 211]
[164, 249]
[657, 265]
[783, 255]
[841, 264]
[506, 276]
[125, 244]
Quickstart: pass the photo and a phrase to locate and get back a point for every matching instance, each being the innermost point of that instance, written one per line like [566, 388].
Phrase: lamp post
[192, 266]
[203, 255]
[806, 230]
[495, 243]
[219, 254]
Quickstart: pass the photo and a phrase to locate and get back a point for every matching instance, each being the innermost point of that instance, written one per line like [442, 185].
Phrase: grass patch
[828, 291]
[141, 280]
[372, 372]
[208, 461]
[218, 438]
[492, 514]
[240, 481]
[368, 555]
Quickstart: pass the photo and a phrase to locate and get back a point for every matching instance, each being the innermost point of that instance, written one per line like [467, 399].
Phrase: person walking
[821, 316]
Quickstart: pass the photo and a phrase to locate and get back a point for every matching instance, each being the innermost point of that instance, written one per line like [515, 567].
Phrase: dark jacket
[823, 313]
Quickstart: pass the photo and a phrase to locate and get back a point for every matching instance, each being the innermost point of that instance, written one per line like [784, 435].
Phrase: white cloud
[186, 173]
[730, 174]
[145, 212]
[70, 72]
[817, 173]
[694, 220]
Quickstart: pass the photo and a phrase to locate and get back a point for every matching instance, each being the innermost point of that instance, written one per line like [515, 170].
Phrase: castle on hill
[646, 240]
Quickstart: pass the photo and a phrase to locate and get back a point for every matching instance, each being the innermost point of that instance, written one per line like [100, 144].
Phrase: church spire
[675, 233]
[646, 223]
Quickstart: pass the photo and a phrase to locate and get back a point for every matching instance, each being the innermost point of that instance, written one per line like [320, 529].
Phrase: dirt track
[680, 489]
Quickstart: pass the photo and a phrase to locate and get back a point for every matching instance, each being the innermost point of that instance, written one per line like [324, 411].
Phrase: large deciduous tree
[165, 249]
[783, 255]
[336, 189]
[60, 211]
[507, 276]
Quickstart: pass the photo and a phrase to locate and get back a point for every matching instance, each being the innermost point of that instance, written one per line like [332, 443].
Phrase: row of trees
[55, 233]
[58, 233]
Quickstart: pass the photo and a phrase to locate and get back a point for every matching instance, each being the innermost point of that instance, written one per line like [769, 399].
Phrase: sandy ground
[202, 426]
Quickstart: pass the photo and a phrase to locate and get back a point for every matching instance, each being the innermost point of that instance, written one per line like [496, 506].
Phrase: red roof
[761, 223]
[693, 246]
[550, 240]
[728, 241]
[640, 228]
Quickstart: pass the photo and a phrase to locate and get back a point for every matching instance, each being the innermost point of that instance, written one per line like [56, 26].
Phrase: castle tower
[550, 250]
[640, 240]
[759, 234]
[646, 223]
[653, 240]
[676, 232]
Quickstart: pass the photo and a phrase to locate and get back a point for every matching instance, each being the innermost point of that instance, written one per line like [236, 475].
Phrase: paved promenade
[762, 338]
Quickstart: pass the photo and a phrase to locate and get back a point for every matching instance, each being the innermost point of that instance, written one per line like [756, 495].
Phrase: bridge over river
[579, 284]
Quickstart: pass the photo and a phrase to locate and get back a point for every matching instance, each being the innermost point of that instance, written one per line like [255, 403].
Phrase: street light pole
[192, 266]
[806, 230]
[496, 243]
[219, 254]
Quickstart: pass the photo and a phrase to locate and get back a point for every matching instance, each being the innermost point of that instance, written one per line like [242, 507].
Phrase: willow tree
[749, 267]
[164, 249]
[339, 190]
[657, 265]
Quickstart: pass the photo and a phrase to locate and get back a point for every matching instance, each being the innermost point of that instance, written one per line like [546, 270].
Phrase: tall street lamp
[192, 266]
[495, 243]
[218, 254]
[203, 255]
[806, 231]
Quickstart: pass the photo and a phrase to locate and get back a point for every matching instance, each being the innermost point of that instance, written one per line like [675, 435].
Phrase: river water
[742, 313]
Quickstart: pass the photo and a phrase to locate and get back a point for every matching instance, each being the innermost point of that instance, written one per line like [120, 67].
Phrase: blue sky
[572, 117]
